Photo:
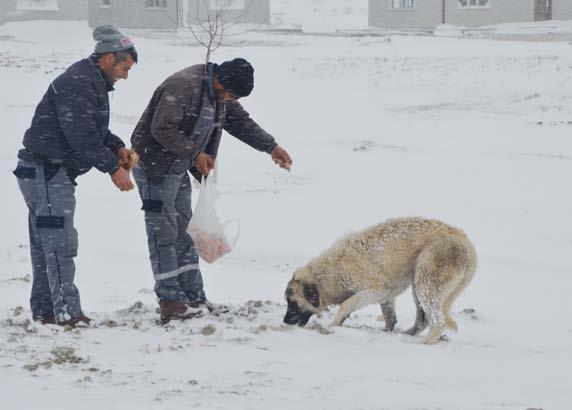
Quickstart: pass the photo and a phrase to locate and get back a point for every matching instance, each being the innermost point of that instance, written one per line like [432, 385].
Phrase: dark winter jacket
[70, 125]
[162, 134]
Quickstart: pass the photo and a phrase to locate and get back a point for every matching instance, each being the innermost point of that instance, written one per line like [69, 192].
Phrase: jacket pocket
[50, 170]
[156, 161]
[25, 172]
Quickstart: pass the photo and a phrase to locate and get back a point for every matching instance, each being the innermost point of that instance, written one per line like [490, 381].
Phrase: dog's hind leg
[420, 317]
[429, 293]
[467, 277]
[449, 321]
[388, 310]
[355, 302]
[439, 271]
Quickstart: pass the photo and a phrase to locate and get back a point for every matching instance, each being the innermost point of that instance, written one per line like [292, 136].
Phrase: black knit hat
[236, 76]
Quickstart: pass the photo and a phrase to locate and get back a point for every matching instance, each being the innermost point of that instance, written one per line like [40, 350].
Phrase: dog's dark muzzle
[296, 316]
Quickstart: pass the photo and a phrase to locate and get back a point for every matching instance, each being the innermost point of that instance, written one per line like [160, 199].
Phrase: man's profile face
[115, 71]
[223, 95]
[226, 96]
[121, 70]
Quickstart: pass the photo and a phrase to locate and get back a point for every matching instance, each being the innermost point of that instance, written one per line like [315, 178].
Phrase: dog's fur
[379, 263]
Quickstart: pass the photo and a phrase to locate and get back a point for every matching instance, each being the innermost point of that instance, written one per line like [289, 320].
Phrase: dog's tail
[444, 268]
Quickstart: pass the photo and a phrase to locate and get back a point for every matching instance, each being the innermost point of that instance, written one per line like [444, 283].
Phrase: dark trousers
[174, 261]
[50, 197]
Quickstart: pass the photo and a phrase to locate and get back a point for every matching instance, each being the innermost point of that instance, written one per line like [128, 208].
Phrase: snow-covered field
[474, 132]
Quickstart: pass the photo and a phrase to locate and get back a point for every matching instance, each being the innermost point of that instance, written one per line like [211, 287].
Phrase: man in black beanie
[180, 131]
[236, 76]
[68, 136]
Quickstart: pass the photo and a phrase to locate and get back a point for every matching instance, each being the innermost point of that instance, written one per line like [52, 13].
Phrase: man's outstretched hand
[281, 157]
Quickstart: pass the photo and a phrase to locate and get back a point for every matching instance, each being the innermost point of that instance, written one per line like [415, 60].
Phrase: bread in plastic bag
[205, 228]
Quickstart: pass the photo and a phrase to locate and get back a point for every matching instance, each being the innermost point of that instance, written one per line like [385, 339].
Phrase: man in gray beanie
[180, 131]
[68, 136]
[114, 53]
[110, 40]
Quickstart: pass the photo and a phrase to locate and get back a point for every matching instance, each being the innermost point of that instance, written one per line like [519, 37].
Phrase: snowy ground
[474, 132]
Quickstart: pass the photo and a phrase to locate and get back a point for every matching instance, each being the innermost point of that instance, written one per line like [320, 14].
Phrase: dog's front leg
[357, 301]
[388, 310]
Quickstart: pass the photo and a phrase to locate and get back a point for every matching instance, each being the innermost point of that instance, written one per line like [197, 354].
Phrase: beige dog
[379, 263]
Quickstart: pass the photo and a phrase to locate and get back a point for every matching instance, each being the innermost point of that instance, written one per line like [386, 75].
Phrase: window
[402, 4]
[49, 5]
[155, 4]
[104, 4]
[226, 4]
[474, 4]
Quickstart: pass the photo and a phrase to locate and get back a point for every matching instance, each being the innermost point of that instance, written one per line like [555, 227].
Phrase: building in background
[22, 10]
[172, 14]
[405, 14]
[387, 14]
[475, 13]
[151, 14]
[428, 14]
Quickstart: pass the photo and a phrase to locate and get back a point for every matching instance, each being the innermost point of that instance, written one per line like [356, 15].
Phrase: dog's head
[303, 301]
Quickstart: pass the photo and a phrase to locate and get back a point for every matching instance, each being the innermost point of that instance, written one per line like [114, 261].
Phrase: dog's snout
[299, 319]
[291, 318]
[304, 318]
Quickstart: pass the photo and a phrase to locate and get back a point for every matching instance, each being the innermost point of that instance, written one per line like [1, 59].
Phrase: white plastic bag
[205, 228]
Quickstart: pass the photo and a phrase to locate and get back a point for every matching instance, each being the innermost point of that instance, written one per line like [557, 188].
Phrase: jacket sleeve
[113, 142]
[167, 118]
[76, 109]
[239, 124]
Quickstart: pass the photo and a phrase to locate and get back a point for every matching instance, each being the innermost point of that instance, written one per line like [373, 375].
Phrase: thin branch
[209, 31]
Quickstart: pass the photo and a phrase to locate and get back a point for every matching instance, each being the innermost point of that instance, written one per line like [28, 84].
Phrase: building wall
[258, 11]
[3, 10]
[133, 14]
[500, 11]
[561, 9]
[427, 14]
[67, 10]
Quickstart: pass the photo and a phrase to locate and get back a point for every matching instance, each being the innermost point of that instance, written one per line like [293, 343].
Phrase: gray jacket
[162, 136]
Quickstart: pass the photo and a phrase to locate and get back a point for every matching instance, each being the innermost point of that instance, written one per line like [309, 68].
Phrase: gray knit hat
[110, 40]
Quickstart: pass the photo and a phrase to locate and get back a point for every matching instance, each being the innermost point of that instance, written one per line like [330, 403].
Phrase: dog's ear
[311, 294]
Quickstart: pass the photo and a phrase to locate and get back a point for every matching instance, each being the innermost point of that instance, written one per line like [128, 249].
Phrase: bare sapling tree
[212, 21]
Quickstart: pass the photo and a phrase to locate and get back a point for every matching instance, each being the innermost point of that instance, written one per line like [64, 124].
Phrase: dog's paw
[336, 323]
[432, 339]
[411, 331]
